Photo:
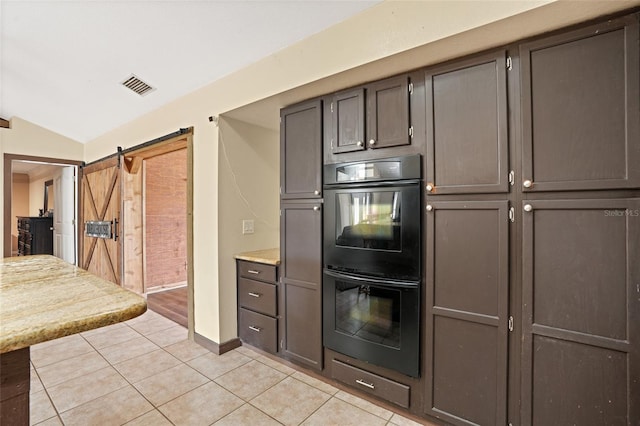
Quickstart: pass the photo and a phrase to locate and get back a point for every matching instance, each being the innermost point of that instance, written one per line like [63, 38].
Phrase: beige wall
[26, 138]
[385, 39]
[248, 188]
[19, 205]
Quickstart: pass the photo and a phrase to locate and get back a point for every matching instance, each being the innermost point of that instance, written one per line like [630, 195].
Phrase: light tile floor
[146, 372]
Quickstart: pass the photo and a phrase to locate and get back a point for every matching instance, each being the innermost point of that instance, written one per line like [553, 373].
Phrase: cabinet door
[301, 150]
[580, 109]
[467, 142]
[466, 312]
[347, 121]
[301, 275]
[388, 112]
[581, 312]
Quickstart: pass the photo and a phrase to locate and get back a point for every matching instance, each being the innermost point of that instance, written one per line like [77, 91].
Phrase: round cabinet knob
[316, 208]
[528, 207]
[359, 143]
[372, 142]
[429, 187]
[429, 207]
[527, 183]
[316, 192]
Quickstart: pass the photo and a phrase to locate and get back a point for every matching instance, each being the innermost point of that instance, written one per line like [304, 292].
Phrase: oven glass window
[368, 312]
[369, 220]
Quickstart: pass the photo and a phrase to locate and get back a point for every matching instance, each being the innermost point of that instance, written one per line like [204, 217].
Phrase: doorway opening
[42, 191]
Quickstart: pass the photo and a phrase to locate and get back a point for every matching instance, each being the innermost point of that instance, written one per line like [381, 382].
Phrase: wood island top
[268, 256]
[43, 298]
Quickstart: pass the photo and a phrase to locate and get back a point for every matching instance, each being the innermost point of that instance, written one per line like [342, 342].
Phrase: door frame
[7, 195]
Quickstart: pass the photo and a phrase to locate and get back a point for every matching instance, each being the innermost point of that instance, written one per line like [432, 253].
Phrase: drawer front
[257, 271]
[257, 296]
[371, 383]
[258, 330]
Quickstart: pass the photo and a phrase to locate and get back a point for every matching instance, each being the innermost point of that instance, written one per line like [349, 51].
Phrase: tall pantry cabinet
[301, 233]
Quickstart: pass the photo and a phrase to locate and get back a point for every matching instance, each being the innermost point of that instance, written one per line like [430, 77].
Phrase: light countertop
[268, 256]
[43, 298]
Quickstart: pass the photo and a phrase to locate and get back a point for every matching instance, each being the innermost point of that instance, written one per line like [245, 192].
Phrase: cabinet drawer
[371, 383]
[257, 296]
[257, 271]
[258, 330]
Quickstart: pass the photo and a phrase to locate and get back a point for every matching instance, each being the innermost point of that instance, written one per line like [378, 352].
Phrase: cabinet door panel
[581, 312]
[301, 274]
[388, 113]
[347, 121]
[301, 150]
[467, 142]
[467, 308]
[580, 109]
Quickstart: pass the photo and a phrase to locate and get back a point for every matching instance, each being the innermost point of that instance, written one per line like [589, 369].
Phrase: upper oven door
[373, 230]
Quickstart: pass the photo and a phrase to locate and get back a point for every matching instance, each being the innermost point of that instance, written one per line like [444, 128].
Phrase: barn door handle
[115, 229]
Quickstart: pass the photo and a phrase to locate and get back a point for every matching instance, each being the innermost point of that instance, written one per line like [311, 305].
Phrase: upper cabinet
[580, 109]
[301, 150]
[466, 126]
[373, 116]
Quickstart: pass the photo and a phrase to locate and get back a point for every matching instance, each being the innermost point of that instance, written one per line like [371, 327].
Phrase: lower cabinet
[371, 383]
[301, 282]
[257, 305]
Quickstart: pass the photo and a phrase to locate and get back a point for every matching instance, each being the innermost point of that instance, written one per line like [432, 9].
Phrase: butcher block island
[43, 298]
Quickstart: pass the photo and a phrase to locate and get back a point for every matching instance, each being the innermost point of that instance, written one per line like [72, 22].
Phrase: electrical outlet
[247, 226]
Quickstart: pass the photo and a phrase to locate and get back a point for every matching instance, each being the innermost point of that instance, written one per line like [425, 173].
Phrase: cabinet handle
[256, 329]
[316, 208]
[365, 384]
[254, 294]
[372, 142]
[359, 143]
[316, 192]
[528, 207]
[429, 207]
[251, 271]
[429, 187]
[527, 183]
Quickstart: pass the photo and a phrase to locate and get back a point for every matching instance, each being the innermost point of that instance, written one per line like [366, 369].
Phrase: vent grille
[137, 85]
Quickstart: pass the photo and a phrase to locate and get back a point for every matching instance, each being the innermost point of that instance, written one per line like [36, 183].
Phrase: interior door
[101, 194]
[64, 202]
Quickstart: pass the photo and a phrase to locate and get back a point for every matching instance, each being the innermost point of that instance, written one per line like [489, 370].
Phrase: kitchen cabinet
[580, 109]
[580, 320]
[301, 150]
[301, 282]
[257, 304]
[466, 326]
[35, 235]
[467, 130]
[373, 116]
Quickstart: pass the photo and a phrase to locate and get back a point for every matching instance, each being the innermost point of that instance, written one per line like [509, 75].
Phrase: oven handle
[371, 184]
[377, 281]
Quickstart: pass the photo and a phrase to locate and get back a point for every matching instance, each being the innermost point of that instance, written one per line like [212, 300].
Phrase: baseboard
[217, 348]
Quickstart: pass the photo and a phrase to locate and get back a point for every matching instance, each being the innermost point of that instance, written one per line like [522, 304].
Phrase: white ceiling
[62, 61]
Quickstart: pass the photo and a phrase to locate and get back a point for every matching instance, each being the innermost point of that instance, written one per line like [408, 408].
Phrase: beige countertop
[43, 298]
[268, 256]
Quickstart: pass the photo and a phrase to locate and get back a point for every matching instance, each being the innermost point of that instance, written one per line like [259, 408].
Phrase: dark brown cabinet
[35, 235]
[373, 116]
[580, 103]
[581, 328]
[301, 151]
[467, 137]
[301, 282]
[258, 304]
[466, 328]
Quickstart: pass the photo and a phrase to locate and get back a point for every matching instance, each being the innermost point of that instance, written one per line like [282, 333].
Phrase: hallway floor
[146, 372]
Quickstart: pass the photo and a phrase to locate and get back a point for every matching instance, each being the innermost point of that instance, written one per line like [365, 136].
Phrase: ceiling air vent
[137, 85]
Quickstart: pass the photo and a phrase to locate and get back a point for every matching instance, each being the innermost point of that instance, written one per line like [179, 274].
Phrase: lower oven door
[373, 320]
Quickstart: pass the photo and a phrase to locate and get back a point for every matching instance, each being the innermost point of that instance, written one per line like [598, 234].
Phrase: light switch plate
[247, 226]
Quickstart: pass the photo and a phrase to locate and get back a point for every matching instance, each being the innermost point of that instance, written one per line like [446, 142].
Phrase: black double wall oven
[372, 267]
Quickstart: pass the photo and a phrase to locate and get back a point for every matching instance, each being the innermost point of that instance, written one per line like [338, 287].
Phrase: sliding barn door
[101, 194]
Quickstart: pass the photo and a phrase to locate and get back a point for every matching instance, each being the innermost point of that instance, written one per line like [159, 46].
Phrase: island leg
[14, 387]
